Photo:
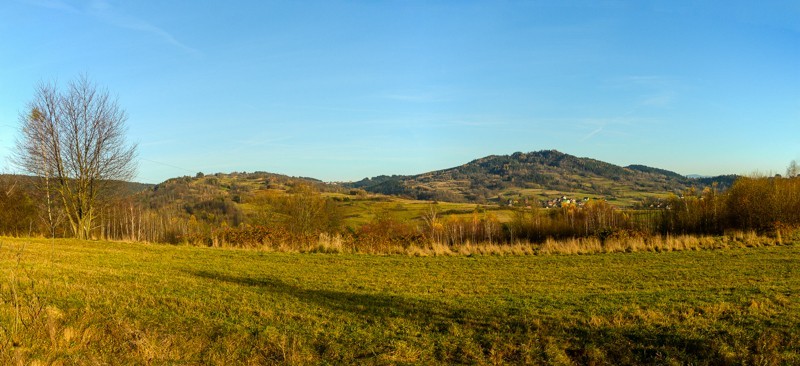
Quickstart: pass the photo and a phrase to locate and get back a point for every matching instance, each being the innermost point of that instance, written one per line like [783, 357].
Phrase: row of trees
[72, 144]
[769, 205]
[766, 204]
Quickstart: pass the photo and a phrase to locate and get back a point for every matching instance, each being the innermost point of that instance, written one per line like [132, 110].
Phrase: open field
[358, 211]
[73, 302]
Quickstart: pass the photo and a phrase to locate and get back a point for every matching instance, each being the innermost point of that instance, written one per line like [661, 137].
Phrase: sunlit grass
[357, 211]
[103, 302]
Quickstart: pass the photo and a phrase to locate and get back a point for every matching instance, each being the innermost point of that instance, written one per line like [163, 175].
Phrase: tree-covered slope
[492, 177]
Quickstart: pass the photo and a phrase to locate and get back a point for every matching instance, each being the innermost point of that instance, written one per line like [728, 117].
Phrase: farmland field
[89, 302]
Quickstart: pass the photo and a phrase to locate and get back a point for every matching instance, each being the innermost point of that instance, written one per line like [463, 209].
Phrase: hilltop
[198, 205]
[496, 179]
[493, 182]
[539, 174]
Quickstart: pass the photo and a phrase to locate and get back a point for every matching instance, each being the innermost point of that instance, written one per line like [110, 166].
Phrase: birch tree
[74, 139]
[793, 169]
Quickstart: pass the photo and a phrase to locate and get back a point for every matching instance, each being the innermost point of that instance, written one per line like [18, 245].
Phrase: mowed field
[73, 302]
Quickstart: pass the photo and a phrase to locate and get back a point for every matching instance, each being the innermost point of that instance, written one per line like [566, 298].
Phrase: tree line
[72, 146]
[298, 217]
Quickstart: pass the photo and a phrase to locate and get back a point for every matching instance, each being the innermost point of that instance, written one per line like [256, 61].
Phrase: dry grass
[327, 244]
[593, 245]
[71, 302]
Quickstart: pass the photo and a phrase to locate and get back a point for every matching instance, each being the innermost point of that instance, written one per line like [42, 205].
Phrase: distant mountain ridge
[522, 177]
[535, 173]
[647, 169]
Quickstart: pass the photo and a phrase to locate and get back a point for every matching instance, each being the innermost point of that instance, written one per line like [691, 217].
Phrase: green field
[72, 302]
[360, 211]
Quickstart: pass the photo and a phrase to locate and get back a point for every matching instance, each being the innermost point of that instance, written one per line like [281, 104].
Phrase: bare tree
[793, 169]
[433, 223]
[74, 140]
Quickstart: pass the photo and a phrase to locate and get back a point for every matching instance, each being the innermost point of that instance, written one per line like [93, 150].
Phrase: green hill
[521, 178]
[203, 203]
[534, 175]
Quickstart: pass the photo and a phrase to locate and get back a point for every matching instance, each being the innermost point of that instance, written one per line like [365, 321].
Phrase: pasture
[94, 302]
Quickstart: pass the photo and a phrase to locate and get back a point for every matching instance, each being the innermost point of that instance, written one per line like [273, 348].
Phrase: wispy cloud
[622, 125]
[653, 90]
[326, 108]
[466, 123]
[256, 141]
[54, 4]
[659, 100]
[592, 134]
[643, 80]
[429, 95]
[419, 98]
[103, 11]
[167, 165]
[157, 142]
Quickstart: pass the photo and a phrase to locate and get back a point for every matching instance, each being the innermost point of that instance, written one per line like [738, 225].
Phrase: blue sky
[345, 90]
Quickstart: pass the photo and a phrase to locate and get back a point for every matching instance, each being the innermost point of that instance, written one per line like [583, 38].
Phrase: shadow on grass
[367, 305]
[529, 339]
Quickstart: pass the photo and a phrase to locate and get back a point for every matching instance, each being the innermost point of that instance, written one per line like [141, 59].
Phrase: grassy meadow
[357, 211]
[94, 302]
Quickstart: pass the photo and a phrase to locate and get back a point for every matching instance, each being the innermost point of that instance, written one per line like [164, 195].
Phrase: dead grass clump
[748, 239]
[588, 245]
[327, 243]
[440, 249]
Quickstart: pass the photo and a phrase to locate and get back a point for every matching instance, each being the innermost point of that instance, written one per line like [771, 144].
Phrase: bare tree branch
[77, 137]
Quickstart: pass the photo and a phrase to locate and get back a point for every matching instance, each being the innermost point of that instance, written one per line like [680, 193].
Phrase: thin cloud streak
[592, 134]
[53, 4]
[158, 142]
[102, 11]
[661, 100]
[417, 98]
[644, 80]
[165, 164]
[263, 142]
[431, 94]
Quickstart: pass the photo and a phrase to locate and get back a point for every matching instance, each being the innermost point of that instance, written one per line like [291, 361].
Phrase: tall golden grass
[593, 245]
[335, 243]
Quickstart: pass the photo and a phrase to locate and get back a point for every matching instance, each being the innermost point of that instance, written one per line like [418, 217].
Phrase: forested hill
[540, 173]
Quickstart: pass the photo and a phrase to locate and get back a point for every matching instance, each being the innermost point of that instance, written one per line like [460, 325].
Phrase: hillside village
[558, 202]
